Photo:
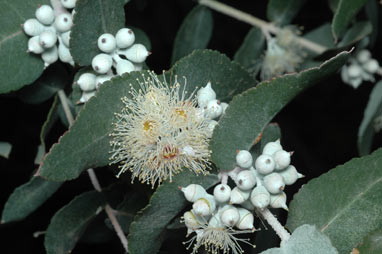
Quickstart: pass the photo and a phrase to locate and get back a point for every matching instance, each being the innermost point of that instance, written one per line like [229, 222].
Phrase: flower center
[169, 152]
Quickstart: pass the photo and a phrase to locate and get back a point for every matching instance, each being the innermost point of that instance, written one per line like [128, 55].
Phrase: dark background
[320, 125]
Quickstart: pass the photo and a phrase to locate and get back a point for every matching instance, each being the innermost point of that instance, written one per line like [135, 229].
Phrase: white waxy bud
[274, 183]
[248, 205]
[45, 14]
[279, 201]
[214, 110]
[363, 56]
[102, 63]
[34, 45]
[282, 159]
[136, 53]
[272, 147]
[47, 39]
[290, 175]
[371, 66]
[64, 54]
[124, 38]
[265, 164]
[260, 197]
[68, 4]
[211, 126]
[193, 192]
[100, 79]
[138, 66]
[204, 206]
[354, 71]
[63, 22]
[191, 220]
[32, 27]
[106, 43]
[244, 159]
[246, 219]
[222, 193]
[205, 94]
[224, 107]
[245, 180]
[86, 96]
[124, 66]
[87, 82]
[50, 56]
[65, 38]
[215, 221]
[230, 216]
[238, 196]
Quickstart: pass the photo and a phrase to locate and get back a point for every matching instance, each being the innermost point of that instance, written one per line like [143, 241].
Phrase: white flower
[156, 130]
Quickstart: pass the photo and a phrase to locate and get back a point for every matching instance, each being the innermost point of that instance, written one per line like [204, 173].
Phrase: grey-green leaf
[366, 130]
[356, 33]
[249, 53]
[371, 244]
[305, 239]
[146, 232]
[321, 35]
[249, 112]
[345, 12]
[91, 19]
[194, 33]
[5, 149]
[26, 198]
[18, 67]
[282, 12]
[345, 203]
[67, 225]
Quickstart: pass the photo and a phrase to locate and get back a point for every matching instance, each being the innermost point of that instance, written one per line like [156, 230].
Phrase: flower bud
[204, 206]
[213, 110]
[63, 22]
[86, 96]
[65, 38]
[354, 71]
[238, 196]
[100, 79]
[68, 4]
[102, 63]
[47, 39]
[205, 94]
[260, 197]
[224, 106]
[265, 164]
[282, 159]
[272, 147]
[50, 56]
[32, 27]
[193, 192]
[191, 220]
[363, 56]
[136, 53]
[138, 66]
[245, 180]
[124, 66]
[290, 175]
[124, 38]
[244, 159]
[279, 201]
[45, 14]
[215, 221]
[371, 66]
[222, 193]
[230, 216]
[107, 43]
[34, 45]
[274, 183]
[64, 54]
[246, 219]
[87, 82]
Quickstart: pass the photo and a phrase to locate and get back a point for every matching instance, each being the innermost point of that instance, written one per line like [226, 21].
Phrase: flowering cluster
[213, 217]
[120, 52]
[46, 29]
[161, 130]
[361, 68]
[282, 55]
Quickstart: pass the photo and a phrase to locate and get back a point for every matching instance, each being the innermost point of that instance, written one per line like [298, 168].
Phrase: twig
[93, 177]
[57, 7]
[263, 25]
[275, 224]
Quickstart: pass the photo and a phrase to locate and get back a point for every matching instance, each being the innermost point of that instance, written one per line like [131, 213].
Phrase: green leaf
[250, 50]
[345, 203]
[80, 148]
[344, 14]
[366, 130]
[371, 244]
[249, 112]
[54, 79]
[271, 133]
[194, 33]
[18, 67]
[26, 198]
[356, 33]
[5, 149]
[146, 232]
[67, 225]
[321, 35]
[91, 19]
[305, 239]
[49, 122]
[282, 12]
[372, 13]
[141, 37]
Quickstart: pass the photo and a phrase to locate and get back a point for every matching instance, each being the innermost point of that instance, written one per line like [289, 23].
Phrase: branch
[275, 224]
[93, 177]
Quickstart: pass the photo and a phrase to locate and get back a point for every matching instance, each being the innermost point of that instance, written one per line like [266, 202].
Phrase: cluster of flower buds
[209, 107]
[120, 52]
[46, 29]
[361, 68]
